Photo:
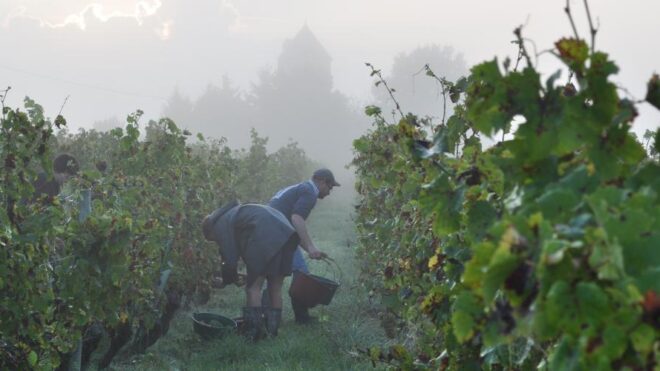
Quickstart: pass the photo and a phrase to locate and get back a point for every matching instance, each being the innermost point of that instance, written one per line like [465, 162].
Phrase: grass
[346, 324]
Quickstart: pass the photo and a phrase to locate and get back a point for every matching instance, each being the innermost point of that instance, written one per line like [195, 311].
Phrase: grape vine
[540, 251]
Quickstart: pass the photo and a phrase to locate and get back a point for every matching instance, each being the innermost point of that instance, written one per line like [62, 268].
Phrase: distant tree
[291, 165]
[222, 111]
[415, 91]
[179, 108]
[107, 124]
[296, 101]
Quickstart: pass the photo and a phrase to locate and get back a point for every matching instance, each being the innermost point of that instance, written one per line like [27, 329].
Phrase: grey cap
[326, 175]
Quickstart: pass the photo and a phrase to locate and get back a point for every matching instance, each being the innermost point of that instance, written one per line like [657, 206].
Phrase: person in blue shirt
[296, 203]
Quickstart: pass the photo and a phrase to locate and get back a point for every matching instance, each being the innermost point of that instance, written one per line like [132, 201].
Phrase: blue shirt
[296, 199]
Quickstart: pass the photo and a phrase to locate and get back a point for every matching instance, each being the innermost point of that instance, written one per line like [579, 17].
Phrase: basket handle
[338, 274]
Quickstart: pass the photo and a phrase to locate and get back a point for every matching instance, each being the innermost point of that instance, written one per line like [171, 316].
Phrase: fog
[292, 69]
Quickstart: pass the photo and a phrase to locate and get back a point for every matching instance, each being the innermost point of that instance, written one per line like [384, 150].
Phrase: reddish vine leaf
[574, 52]
[651, 305]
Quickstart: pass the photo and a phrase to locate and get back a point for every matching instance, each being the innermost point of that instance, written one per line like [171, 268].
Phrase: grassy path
[348, 322]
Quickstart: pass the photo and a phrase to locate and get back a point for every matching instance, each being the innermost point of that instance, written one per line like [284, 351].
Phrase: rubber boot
[300, 311]
[254, 323]
[273, 319]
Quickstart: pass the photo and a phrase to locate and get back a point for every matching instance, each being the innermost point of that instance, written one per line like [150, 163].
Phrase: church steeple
[304, 55]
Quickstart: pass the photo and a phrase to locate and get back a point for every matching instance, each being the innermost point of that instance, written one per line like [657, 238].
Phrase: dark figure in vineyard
[265, 240]
[296, 203]
[65, 166]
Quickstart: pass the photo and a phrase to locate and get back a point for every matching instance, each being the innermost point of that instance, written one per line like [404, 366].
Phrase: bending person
[266, 241]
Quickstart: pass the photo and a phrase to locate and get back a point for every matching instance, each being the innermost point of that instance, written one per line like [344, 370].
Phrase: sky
[109, 58]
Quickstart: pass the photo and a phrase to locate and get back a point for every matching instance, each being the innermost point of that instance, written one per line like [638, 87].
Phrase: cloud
[96, 11]
[17, 13]
[238, 24]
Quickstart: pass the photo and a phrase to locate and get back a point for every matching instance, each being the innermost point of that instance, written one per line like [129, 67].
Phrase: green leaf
[468, 303]
[592, 302]
[374, 353]
[498, 271]
[607, 259]
[455, 127]
[487, 99]
[615, 341]
[361, 144]
[580, 179]
[559, 306]
[523, 93]
[643, 338]
[564, 356]
[445, 201]
[32, 358]
[372, 110]
[462, 325]
[117, 132]
[465, 307]
[653, 91]
[480, 216]
[60, 121]
[627, 112]
[475, 269]
[648, 174]
[557, 202]
[461, 84]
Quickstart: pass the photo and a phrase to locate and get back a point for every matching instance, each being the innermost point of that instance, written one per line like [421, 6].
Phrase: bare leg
[253, 293]
[275, 291]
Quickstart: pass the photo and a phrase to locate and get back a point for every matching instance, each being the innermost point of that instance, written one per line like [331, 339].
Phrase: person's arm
[305, 241]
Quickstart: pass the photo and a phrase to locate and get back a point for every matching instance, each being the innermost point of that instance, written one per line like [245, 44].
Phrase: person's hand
[315, 253]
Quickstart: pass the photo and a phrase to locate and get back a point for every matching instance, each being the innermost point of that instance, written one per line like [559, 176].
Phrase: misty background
[292, 69]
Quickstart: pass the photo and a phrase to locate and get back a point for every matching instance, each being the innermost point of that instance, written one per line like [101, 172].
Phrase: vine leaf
[643, 338]
[574, 53]
[60, 121]
[32, 358]
[653, 91]
[615, 341]
[592, 302]
[455, 90]
[487, 98]
[480, 217]
[557, 202]
[466, 307]
[372, 110]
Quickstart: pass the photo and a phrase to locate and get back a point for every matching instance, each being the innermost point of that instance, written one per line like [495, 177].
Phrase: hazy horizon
[113, 57]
